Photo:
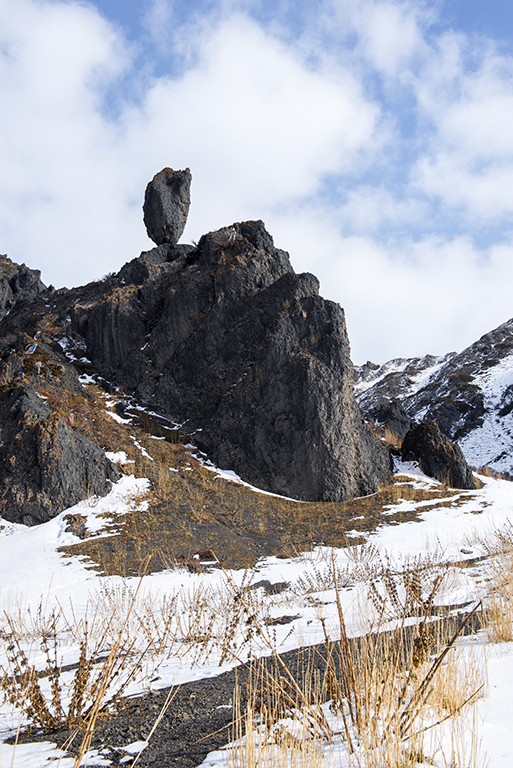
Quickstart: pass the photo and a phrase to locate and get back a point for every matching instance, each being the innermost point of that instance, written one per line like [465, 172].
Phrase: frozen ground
[37, 580]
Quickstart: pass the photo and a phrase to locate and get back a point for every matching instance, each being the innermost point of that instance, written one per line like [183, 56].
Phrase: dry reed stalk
[169, 698]
[281, 735]
[106, 679]
[317, 717]
[499, 617]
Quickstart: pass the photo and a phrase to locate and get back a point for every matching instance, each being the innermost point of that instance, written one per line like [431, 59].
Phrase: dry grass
[487, 471]
[497, 573]
[500, 599]
[390, 438]
[191, 508]
[387, 691]
[54, 698]
[373, 699]
[376, 696]
[376, 699]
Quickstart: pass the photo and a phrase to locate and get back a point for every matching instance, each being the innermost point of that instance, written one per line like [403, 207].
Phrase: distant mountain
[469, 395]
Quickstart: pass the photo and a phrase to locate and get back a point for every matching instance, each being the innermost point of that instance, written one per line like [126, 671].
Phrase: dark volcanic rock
[438, 457]
[18, 284]
[166, 205]
[45, 465]
[391, 416]
[228, 339]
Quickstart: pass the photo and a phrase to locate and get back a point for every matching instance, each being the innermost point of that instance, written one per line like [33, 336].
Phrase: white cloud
[408, 297]
[256, 125]
[306, 135]
[466, 98]
[390, 34]
[158, 18]
[61, 176]
[373, 209]
[483, 191]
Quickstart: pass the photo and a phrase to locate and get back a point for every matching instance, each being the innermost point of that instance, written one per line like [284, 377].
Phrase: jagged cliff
[46, 463]
[222, 337]
[229, 341]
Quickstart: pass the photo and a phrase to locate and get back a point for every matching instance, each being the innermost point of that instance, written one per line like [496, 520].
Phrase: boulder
[391, 415]
[166, 205]
[437, 456]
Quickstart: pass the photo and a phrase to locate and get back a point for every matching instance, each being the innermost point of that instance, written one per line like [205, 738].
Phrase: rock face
[392, 417]
[45, 465]
[166, 205]
[227, 339]
[438, 457]
[18, 284]
[223, 337]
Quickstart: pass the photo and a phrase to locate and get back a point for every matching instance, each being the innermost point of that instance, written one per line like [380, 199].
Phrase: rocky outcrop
[18, 284]
[469, 395]
[222, 337]
[391, 417]
[437, 456]
[48, 457]
[45, 465]
[226, 339]
[166, 205]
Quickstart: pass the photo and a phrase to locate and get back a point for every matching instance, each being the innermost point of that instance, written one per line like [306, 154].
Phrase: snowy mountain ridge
[469, 394]
[417, 372]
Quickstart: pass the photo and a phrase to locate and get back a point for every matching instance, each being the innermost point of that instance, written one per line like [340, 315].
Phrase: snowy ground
[490, 443]
[37, 580]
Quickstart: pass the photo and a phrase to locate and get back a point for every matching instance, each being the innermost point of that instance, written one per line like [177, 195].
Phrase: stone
[166, 205]
[229, 341]
[45, 465]
[392, 417]
[437, 456]
[18, 284]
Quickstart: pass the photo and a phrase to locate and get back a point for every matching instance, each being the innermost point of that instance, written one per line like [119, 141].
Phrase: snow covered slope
[469, 395]
[40, 585]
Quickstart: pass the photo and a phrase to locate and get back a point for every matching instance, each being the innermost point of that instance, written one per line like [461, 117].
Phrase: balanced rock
[438, 457]
[166, 205]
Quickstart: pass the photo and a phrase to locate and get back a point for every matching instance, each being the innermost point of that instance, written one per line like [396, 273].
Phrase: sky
[373, 137]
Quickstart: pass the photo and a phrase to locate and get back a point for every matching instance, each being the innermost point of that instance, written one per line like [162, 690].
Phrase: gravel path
[199, 718]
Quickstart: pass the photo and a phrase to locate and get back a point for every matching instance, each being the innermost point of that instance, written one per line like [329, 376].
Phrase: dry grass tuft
[55, 698]
[499, 603]
[373, 698]
[487, 471]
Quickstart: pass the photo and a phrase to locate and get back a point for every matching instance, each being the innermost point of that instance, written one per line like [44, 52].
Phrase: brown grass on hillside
[191, 509]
